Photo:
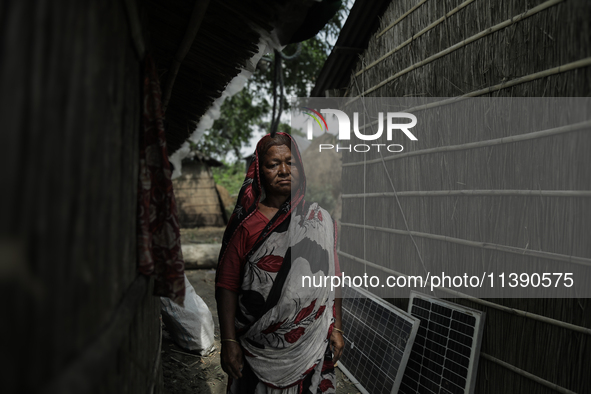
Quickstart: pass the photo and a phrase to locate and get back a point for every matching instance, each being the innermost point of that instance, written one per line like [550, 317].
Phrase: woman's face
[280, 172]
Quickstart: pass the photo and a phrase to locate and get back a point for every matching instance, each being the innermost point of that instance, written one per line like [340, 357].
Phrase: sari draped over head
[282, 325]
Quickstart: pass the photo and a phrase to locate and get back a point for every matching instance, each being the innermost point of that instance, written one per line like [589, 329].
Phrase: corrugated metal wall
[444, 49]
[71, 107]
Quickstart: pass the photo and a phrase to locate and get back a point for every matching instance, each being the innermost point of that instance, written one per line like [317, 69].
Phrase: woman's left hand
[337, 343]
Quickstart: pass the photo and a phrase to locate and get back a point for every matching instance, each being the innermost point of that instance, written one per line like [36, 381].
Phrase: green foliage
[284, 128]
[250, 109]
[240, 114]
[230, 176]
[299, 75]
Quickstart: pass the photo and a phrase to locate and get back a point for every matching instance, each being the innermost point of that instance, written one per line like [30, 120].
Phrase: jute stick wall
[197, 199]
[525, 193]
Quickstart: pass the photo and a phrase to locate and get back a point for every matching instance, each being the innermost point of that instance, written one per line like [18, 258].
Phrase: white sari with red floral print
[289, 340]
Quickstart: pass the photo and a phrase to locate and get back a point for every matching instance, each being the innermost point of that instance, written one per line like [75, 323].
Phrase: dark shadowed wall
[71, 109]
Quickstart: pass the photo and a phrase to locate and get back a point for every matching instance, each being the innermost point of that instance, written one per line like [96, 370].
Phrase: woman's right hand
[231, 356]
[232, 361]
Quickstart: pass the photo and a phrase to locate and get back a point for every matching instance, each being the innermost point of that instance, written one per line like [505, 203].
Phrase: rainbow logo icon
[315, 115]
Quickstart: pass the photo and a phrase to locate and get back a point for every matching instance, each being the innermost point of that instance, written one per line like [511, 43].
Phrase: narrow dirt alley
[185, 373]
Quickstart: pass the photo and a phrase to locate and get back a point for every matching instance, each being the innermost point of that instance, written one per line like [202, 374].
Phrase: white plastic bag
[190, 327]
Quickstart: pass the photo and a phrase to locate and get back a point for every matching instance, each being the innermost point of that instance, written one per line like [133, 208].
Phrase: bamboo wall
[491, 48]
[71, 109]
[197, 199]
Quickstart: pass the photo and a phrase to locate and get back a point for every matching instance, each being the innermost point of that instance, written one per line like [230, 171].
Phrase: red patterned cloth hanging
[159, 240]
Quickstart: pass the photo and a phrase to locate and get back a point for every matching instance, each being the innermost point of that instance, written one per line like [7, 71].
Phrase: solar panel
[378, 341]
[444, 356]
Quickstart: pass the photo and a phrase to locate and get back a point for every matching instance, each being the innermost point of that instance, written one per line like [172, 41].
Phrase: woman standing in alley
[278, 336]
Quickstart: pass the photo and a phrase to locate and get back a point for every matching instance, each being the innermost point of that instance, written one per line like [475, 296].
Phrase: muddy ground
[185, 373]
[203, 235]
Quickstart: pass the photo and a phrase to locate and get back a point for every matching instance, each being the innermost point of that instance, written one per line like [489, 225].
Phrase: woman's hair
[268, 142]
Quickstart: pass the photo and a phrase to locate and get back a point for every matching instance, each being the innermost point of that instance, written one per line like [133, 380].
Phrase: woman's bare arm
[231, 355]
[336, 338]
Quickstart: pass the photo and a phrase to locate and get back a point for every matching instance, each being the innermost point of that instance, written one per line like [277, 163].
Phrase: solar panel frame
[361, 332]
[453, 360]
